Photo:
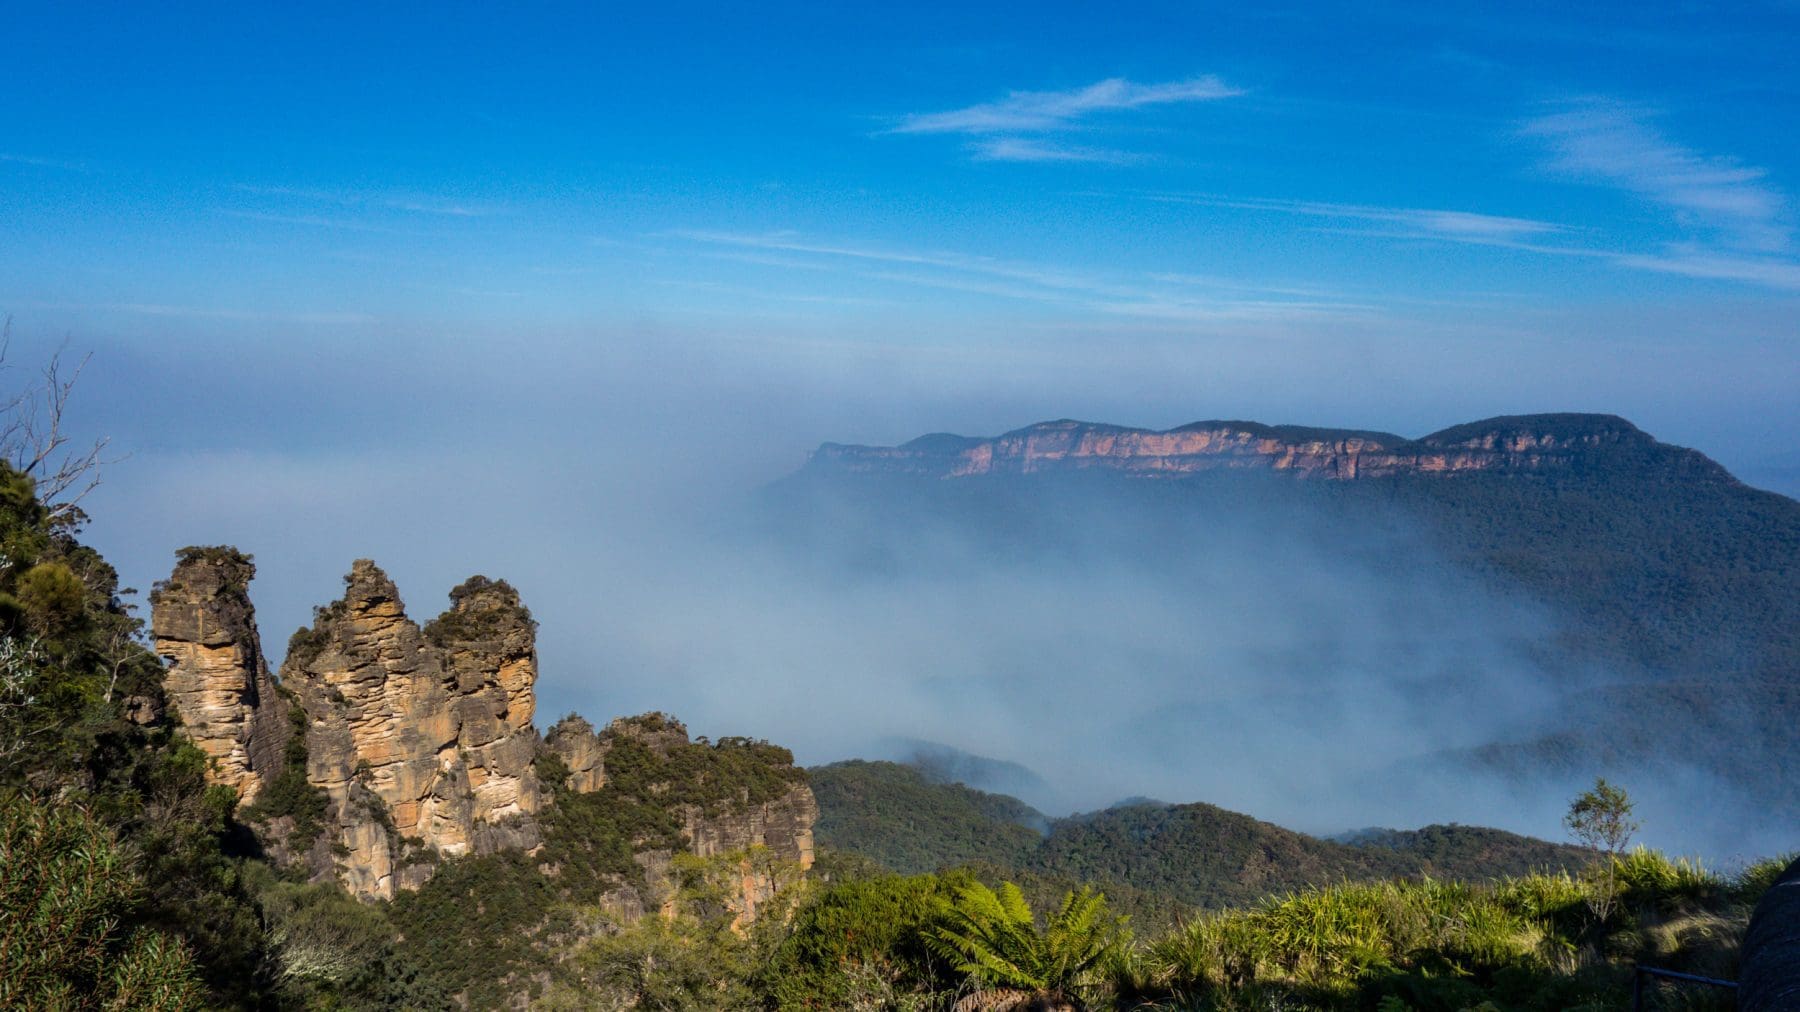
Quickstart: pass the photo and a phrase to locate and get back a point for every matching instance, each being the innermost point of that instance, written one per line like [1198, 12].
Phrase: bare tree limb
[35, 442]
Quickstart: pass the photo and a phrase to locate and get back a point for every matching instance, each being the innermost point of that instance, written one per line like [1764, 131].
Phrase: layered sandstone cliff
[418, 742]
[764, 830]
[436, 729]
[218, 684]
[1513, 443]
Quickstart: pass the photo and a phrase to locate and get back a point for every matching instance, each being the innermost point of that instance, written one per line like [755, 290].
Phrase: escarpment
[397, 746]
[1519, 443]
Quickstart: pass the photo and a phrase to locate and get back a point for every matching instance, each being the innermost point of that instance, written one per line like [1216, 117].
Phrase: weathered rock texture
[581, 750]
[1513, 443]
[771, 836]
[218, 682]
[774, 839]
[421, 742]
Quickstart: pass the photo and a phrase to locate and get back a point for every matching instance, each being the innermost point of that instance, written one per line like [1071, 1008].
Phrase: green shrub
[52, 597]
[1647, 878]
[67, 939]
[1752, 882]
[860, 938]
[289, 793]
[497, 610]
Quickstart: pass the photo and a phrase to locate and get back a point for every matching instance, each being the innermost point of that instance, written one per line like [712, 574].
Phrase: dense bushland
[1521, 943]
[1156, 861]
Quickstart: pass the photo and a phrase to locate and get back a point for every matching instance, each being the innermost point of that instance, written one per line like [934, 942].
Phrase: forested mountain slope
[1544, 596]
[1191, 855]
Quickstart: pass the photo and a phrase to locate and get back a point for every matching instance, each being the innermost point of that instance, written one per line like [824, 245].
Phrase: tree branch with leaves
[1600, 820]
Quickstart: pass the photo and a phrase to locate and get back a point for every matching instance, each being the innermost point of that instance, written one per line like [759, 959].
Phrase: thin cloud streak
[411, 203]
[318, 221]
[1457, 226]
[1040, 111]
[1143, 297]
[1615, 144]
[1022, 149]
[1525, 235]
[214, 313]
[42, 163]
[1700, 263]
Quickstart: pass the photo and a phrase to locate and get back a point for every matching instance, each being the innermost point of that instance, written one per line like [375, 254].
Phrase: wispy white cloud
[1171, 297]
[1528, 235]
[1616, 144]
[1693, 262]
[42, 163]
[346, 222]
[1014, 129]
[412, 203]
[1027, 149]
[221, 313]
[1039, 111]
[1456, 226]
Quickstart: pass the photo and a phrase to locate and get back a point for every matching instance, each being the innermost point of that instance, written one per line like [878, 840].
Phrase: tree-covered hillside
[1159, 858]
[895, 815]
[1645, 603]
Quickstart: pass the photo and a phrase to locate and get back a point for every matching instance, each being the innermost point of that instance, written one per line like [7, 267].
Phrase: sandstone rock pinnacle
[218, 682]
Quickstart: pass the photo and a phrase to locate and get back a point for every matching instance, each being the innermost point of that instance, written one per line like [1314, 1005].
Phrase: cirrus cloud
[1039, 111]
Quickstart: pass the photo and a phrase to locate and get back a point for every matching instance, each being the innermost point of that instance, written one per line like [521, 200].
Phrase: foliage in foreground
[71, 935]
[994, 938]
[1525, 943]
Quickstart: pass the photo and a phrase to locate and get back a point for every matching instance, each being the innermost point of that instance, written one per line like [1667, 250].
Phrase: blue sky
[381, 279]
[883, 174]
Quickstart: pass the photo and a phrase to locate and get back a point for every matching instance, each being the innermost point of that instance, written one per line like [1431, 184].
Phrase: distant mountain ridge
[1542, 442]
[1667, 654]
[1156, 860]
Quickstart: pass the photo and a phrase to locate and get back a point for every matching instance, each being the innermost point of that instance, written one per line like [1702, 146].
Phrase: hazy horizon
[541, 295]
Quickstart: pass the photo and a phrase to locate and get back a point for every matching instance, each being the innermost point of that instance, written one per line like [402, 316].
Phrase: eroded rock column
[218, 682]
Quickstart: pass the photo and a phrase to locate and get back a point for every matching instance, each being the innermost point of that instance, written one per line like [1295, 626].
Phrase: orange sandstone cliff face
[436, 728]
[1517, 443]
[421, 738]
[204, 628]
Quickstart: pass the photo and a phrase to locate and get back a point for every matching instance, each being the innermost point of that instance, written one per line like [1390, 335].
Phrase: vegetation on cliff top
[480, 609]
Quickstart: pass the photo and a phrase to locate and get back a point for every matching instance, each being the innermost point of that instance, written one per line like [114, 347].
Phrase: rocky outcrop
[417, 743]
[573, 741]
[218, 683]
[774, 841]
[421, 739]
[1771, 950]
[771, 836]
[1513, 443]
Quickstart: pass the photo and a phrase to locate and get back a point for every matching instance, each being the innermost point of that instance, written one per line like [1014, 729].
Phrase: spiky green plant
[994, 938]
[1756, 879]
[1649, 878]
[67, 902]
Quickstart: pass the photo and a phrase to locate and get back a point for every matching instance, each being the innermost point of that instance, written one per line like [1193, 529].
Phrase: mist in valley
[1322, 668]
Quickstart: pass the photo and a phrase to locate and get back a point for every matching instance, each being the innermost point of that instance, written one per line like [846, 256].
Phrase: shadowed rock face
[581, 750]
[421, 739]
[437, 728]
[777, 835]
[218, 682]
[1514, 443]
[1771, 952]
[783, 828]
